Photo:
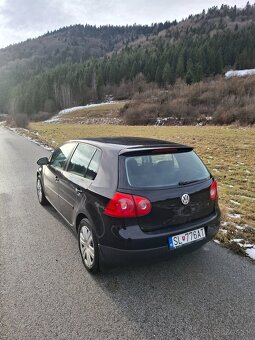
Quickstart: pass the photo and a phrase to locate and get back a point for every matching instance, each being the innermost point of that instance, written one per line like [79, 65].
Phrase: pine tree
[180, 66]
[158, 76]
[134, 70]
[218, 63]
[190, 72]
[168, 75]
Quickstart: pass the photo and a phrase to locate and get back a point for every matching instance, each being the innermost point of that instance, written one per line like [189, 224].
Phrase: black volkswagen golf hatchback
[130, 198]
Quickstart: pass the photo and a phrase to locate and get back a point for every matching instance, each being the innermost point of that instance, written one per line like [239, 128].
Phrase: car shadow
[194, 289]
[53, 212]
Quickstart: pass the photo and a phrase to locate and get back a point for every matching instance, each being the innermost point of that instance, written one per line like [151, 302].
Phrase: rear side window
[162, 170]
[81, 159]
[93, 166]
[60, 155]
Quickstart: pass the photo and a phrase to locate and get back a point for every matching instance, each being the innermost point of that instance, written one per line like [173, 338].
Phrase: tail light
[213, 191]
[143, 205]
[125, 205]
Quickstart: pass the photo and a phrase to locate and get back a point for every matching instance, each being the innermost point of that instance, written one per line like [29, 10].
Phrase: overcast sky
[23, 19]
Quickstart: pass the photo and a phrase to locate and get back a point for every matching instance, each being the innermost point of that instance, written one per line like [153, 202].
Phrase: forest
[122, 61]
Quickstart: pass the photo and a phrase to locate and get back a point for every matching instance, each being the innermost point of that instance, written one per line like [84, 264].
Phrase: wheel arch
[79, 217]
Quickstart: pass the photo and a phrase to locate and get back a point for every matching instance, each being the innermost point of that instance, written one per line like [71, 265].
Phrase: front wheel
[40, 192]
[88, 246]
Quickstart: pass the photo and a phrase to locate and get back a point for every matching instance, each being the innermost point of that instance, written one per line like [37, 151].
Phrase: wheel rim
[87, 246]
[39, 190]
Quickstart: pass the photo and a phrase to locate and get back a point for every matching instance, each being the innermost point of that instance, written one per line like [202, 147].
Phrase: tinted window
[81, 159]
[164, 169]
[93, 166]
[60, 155]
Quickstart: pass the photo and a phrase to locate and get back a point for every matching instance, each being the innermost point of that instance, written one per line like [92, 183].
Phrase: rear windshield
[168, 169]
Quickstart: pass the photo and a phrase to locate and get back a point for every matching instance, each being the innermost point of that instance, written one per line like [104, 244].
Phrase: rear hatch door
[166, 177]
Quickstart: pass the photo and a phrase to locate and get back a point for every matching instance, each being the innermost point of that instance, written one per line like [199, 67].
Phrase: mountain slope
[74, 43]
[78, 64]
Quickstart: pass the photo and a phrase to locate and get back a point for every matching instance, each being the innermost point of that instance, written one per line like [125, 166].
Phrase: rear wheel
[40, 192]
[88, 246]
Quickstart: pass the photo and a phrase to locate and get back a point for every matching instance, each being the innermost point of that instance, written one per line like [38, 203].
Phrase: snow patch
[251, 252]
[240, 73]
[239, 227]
[224, 223]
[246, 197]
[249, 247]
[57, 118]
[78, 108]
[237, 240]
[224, 231]
[234, 202]
[162, 121]
[53, 120]
[234, 215]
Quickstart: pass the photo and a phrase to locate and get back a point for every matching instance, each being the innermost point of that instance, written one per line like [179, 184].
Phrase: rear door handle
[56, 179]
[78, 191]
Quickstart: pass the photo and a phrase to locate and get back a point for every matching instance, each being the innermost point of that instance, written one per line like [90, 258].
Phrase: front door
[52, 173]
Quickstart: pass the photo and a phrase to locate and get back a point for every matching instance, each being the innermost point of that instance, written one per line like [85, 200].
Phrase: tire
[40, 192]
[88, 245]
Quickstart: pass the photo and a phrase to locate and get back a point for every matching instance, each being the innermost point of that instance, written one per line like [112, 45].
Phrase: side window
[81, 158]
[93, 166]
[59, 156]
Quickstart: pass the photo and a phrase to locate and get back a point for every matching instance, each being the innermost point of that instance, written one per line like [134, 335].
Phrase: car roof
[127, 143]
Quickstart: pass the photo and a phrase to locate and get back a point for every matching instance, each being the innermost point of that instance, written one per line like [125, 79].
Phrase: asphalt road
[47, 294]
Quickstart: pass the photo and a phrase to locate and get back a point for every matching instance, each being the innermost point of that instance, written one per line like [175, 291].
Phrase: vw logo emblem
[185, 199]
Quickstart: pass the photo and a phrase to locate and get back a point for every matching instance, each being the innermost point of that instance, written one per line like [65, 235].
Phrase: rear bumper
[117, 256]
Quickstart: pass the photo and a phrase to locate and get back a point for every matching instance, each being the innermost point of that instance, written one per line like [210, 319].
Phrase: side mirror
[43, 161]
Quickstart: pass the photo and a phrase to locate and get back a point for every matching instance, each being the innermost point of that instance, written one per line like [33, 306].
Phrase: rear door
[76, 179]
[164, 178]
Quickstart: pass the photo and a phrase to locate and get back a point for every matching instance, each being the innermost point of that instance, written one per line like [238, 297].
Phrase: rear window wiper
[189, 182]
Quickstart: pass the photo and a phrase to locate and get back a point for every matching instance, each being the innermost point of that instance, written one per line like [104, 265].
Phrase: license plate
[186, 238]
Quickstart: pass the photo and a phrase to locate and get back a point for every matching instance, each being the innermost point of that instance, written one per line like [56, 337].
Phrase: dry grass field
[228, 152]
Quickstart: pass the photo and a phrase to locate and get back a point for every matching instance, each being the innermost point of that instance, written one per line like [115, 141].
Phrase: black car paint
[130, 238]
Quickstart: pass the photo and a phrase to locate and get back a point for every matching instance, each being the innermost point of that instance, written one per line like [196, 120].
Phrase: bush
[219, 101]
[41, 116]
[20, 120]
[144, 114]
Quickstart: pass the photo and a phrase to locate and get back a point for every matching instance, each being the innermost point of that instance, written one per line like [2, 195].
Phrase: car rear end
[166, 202]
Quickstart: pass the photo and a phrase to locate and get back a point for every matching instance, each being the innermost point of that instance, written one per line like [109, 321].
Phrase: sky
[23, 19]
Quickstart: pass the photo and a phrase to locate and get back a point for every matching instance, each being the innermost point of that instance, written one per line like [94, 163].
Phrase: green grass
[228, 152]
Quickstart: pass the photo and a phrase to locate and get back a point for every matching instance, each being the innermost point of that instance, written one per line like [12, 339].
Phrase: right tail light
[213, 191]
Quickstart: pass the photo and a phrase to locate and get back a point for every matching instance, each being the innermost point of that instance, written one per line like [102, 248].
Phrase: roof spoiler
[156, 150]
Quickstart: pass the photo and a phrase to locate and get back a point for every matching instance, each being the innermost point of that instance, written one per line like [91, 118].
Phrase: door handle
[56, 179]
[78, 191]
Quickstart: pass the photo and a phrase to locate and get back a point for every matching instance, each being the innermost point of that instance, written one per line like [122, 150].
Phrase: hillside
[75, 44]
[79, 64]
[79, 43]
[218, 102]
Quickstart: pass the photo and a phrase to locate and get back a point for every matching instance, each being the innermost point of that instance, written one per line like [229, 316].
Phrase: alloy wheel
[87, 246]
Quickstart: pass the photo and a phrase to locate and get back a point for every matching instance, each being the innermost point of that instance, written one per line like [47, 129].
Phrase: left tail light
[126, 205]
